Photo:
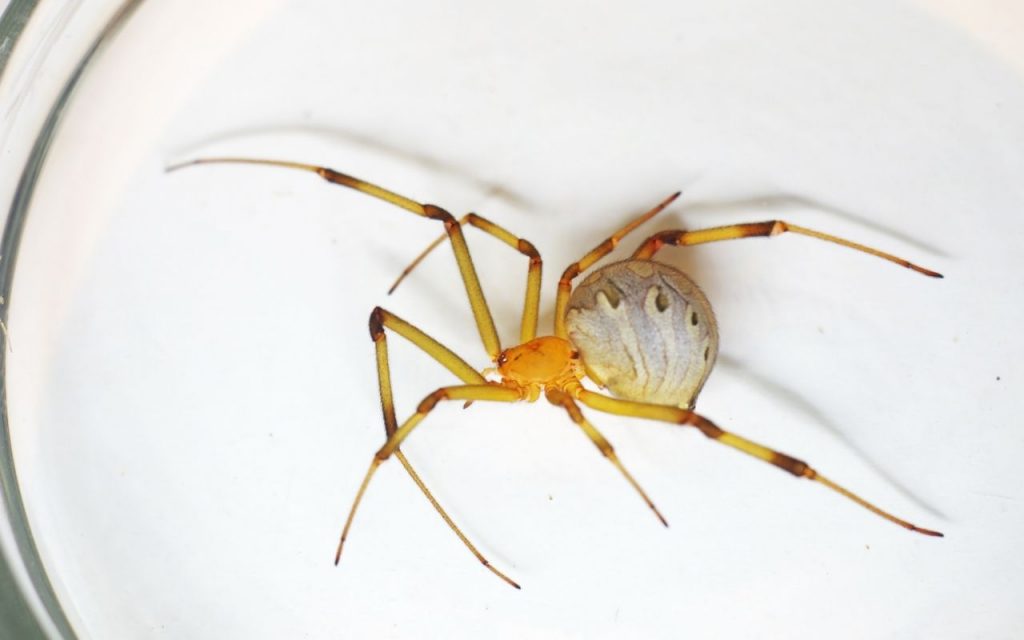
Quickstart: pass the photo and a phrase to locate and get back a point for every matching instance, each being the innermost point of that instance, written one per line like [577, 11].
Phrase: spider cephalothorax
[541, 363]
[639, 328]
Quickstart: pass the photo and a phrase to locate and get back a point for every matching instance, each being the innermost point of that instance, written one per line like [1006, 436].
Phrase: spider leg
[675, 415]
[595, 254]
[770, 228]
[562, 399]
[379, 319]
[528, 330]
[481, 312]
[485, 392]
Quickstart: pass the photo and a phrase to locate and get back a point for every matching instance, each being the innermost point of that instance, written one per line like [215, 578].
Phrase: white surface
[193, 392]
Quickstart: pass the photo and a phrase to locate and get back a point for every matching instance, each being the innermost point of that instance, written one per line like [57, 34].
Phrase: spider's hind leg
[675, 415]
[595, 254]
[769, 229]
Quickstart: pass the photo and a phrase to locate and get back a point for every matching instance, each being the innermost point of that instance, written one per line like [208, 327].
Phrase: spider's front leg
[477, 302]
[484, 392]
[453, 231]
[531, 306]
[379, 320]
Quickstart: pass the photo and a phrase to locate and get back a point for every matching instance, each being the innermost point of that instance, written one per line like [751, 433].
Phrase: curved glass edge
[17, 617]
[12, 23]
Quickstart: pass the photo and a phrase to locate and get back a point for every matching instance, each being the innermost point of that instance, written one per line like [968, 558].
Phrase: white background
[193, 395]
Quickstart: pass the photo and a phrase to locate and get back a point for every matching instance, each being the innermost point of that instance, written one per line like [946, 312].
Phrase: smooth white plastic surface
[193, 392]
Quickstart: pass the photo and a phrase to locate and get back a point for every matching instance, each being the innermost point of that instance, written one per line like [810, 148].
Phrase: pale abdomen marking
[645, 331]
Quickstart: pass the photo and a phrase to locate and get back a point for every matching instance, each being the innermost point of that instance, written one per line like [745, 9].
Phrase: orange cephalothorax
[539, 363]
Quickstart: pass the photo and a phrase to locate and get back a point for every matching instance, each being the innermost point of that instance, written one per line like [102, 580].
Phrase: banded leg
[674, 415]
[562, 399]
[469, 392]
[595, 254]
[379, 319]
[531, 306]
[481, 312]
[768, 229]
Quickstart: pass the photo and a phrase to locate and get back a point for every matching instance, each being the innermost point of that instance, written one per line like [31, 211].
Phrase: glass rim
[31, 610]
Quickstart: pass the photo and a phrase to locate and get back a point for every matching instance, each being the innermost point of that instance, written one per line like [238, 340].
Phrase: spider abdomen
[645, 331]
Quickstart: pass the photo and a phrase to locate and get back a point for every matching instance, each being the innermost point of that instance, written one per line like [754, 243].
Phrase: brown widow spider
[639, 328]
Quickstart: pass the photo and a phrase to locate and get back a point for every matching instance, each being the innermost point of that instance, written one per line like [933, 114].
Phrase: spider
[639, 328]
